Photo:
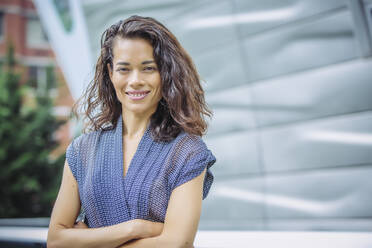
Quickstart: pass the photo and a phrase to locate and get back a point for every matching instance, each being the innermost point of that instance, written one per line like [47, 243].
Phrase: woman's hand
[146, 228]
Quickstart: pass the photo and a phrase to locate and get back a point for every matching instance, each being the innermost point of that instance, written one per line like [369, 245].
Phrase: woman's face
[135, 76]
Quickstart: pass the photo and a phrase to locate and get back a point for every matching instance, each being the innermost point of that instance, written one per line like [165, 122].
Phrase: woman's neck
[134, 126]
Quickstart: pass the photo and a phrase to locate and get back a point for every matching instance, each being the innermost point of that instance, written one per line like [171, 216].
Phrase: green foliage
[29, 178]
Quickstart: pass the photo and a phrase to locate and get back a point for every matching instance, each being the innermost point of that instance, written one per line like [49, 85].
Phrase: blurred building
[21, 27]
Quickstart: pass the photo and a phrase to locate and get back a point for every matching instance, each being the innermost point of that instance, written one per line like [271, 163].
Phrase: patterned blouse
[157, 168]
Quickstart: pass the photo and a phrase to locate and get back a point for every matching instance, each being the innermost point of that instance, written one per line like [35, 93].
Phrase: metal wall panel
[231, 111]
[336, 193]
[307, 45]
[333, 90]
[221, 68]
[236, 153]
[196, 28]
[329, 142]
[240, 205]
[257, 16]
[227, 120]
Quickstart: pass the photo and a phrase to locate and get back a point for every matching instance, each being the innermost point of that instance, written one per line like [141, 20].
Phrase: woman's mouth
[137, 94]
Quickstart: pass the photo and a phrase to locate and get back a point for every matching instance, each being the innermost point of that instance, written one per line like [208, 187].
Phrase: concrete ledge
[233, 239]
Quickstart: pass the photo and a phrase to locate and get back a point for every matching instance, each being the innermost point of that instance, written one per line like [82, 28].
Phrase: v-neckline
[135, 155]
[123, 154]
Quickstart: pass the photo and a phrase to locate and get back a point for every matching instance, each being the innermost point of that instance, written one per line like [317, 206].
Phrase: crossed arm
[181, 220]
[179, 229]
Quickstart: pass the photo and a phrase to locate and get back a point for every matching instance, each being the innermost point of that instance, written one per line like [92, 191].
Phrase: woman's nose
[135, 78]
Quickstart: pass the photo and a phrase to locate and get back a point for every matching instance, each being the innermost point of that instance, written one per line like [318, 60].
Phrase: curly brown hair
[182, 106]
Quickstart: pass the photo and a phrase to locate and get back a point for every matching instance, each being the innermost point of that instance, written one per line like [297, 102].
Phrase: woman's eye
[150, 68]
[123, 69]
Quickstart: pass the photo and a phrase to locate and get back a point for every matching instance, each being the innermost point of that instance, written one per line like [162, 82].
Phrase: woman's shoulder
[189, 143]
[190, 157]
[85, 140]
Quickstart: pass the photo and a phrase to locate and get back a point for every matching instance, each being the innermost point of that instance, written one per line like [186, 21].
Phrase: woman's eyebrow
[144, 62]
[148, 62]
[122, 63]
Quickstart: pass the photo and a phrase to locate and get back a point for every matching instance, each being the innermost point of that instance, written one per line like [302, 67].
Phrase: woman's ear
[109, 71]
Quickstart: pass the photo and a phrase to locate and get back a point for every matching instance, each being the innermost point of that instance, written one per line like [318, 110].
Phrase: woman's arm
[67, 206]
[181, 220]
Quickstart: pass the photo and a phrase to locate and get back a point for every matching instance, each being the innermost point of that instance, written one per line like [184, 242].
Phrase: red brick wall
[15, 29]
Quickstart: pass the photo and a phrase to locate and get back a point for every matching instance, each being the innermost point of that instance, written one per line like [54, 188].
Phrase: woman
[141, 173]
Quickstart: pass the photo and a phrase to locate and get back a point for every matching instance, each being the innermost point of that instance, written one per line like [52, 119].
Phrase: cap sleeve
[72, 157]
[194, 165]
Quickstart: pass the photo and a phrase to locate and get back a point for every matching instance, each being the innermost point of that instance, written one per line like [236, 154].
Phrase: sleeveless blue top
[156, 169]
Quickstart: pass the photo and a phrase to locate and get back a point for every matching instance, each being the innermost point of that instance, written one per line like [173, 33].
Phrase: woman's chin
[138, 110]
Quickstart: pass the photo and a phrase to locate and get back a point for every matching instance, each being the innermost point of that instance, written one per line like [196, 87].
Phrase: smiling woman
[141, 170]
